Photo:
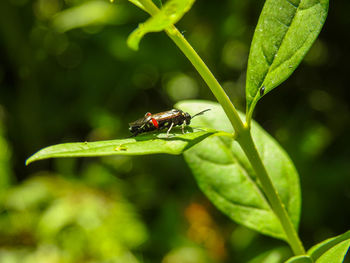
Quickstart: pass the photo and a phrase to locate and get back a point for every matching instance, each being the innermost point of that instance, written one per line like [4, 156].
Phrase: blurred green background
[66, 74]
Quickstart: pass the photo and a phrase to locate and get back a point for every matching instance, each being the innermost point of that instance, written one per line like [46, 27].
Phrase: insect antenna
[200, 113]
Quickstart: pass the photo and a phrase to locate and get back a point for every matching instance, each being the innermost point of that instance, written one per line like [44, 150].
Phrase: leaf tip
[134, 45]
[29, 161]
[33, 158]
[134, 40]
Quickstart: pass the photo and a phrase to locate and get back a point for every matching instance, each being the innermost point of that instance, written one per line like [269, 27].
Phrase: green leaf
[336, 254]
[170, 14]
[89, 14]
[224, 174]
[276, 255]
[285, 32]
[300, 259]
[332, 250]
[150, 143]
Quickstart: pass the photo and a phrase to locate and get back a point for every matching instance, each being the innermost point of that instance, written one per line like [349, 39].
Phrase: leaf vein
[273, 59]
[308, 7]
[288, 58]
[281, 22]
[292, 4]
[268, 61]
[235, 161]
[238, 204]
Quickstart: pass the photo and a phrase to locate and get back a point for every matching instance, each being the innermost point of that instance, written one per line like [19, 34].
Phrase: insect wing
[166, 115]
[139, 122]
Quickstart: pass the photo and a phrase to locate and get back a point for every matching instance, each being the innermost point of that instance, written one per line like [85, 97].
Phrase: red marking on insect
[155, 123]
[148, 114]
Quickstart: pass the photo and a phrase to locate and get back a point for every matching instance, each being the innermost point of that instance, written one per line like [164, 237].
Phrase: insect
[262, 90]
[162, 120]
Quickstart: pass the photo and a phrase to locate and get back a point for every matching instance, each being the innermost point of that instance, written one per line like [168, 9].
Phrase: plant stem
[243, 134]
[209, 78]
[247, 144]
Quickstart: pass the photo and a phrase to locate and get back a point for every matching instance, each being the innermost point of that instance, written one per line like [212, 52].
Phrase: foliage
[144, 144]
[170, 14]
[230, 182]
[331, 250]
[285, 32]
[63, 220]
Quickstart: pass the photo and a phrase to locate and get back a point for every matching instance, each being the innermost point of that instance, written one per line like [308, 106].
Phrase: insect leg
[183, 127]
[167, 133]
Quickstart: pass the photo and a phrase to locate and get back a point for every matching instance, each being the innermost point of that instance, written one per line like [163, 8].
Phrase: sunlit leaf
[224, 174]
[170, 14]
[332, 250]
[150, 143]
[300, 259]
[89, 14]
[276, 255]
[285, 32]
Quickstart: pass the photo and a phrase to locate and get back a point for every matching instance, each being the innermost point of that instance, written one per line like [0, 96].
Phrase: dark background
[86, 84]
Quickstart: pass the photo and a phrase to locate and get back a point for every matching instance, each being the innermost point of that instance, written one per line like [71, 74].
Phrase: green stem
[243, 134]
[247, 144]
[208, 77]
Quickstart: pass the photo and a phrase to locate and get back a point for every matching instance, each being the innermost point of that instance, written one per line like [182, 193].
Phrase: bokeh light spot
[181, 87]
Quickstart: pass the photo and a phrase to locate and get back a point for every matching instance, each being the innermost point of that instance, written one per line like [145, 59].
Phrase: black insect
[162, 120]
[262, 90]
